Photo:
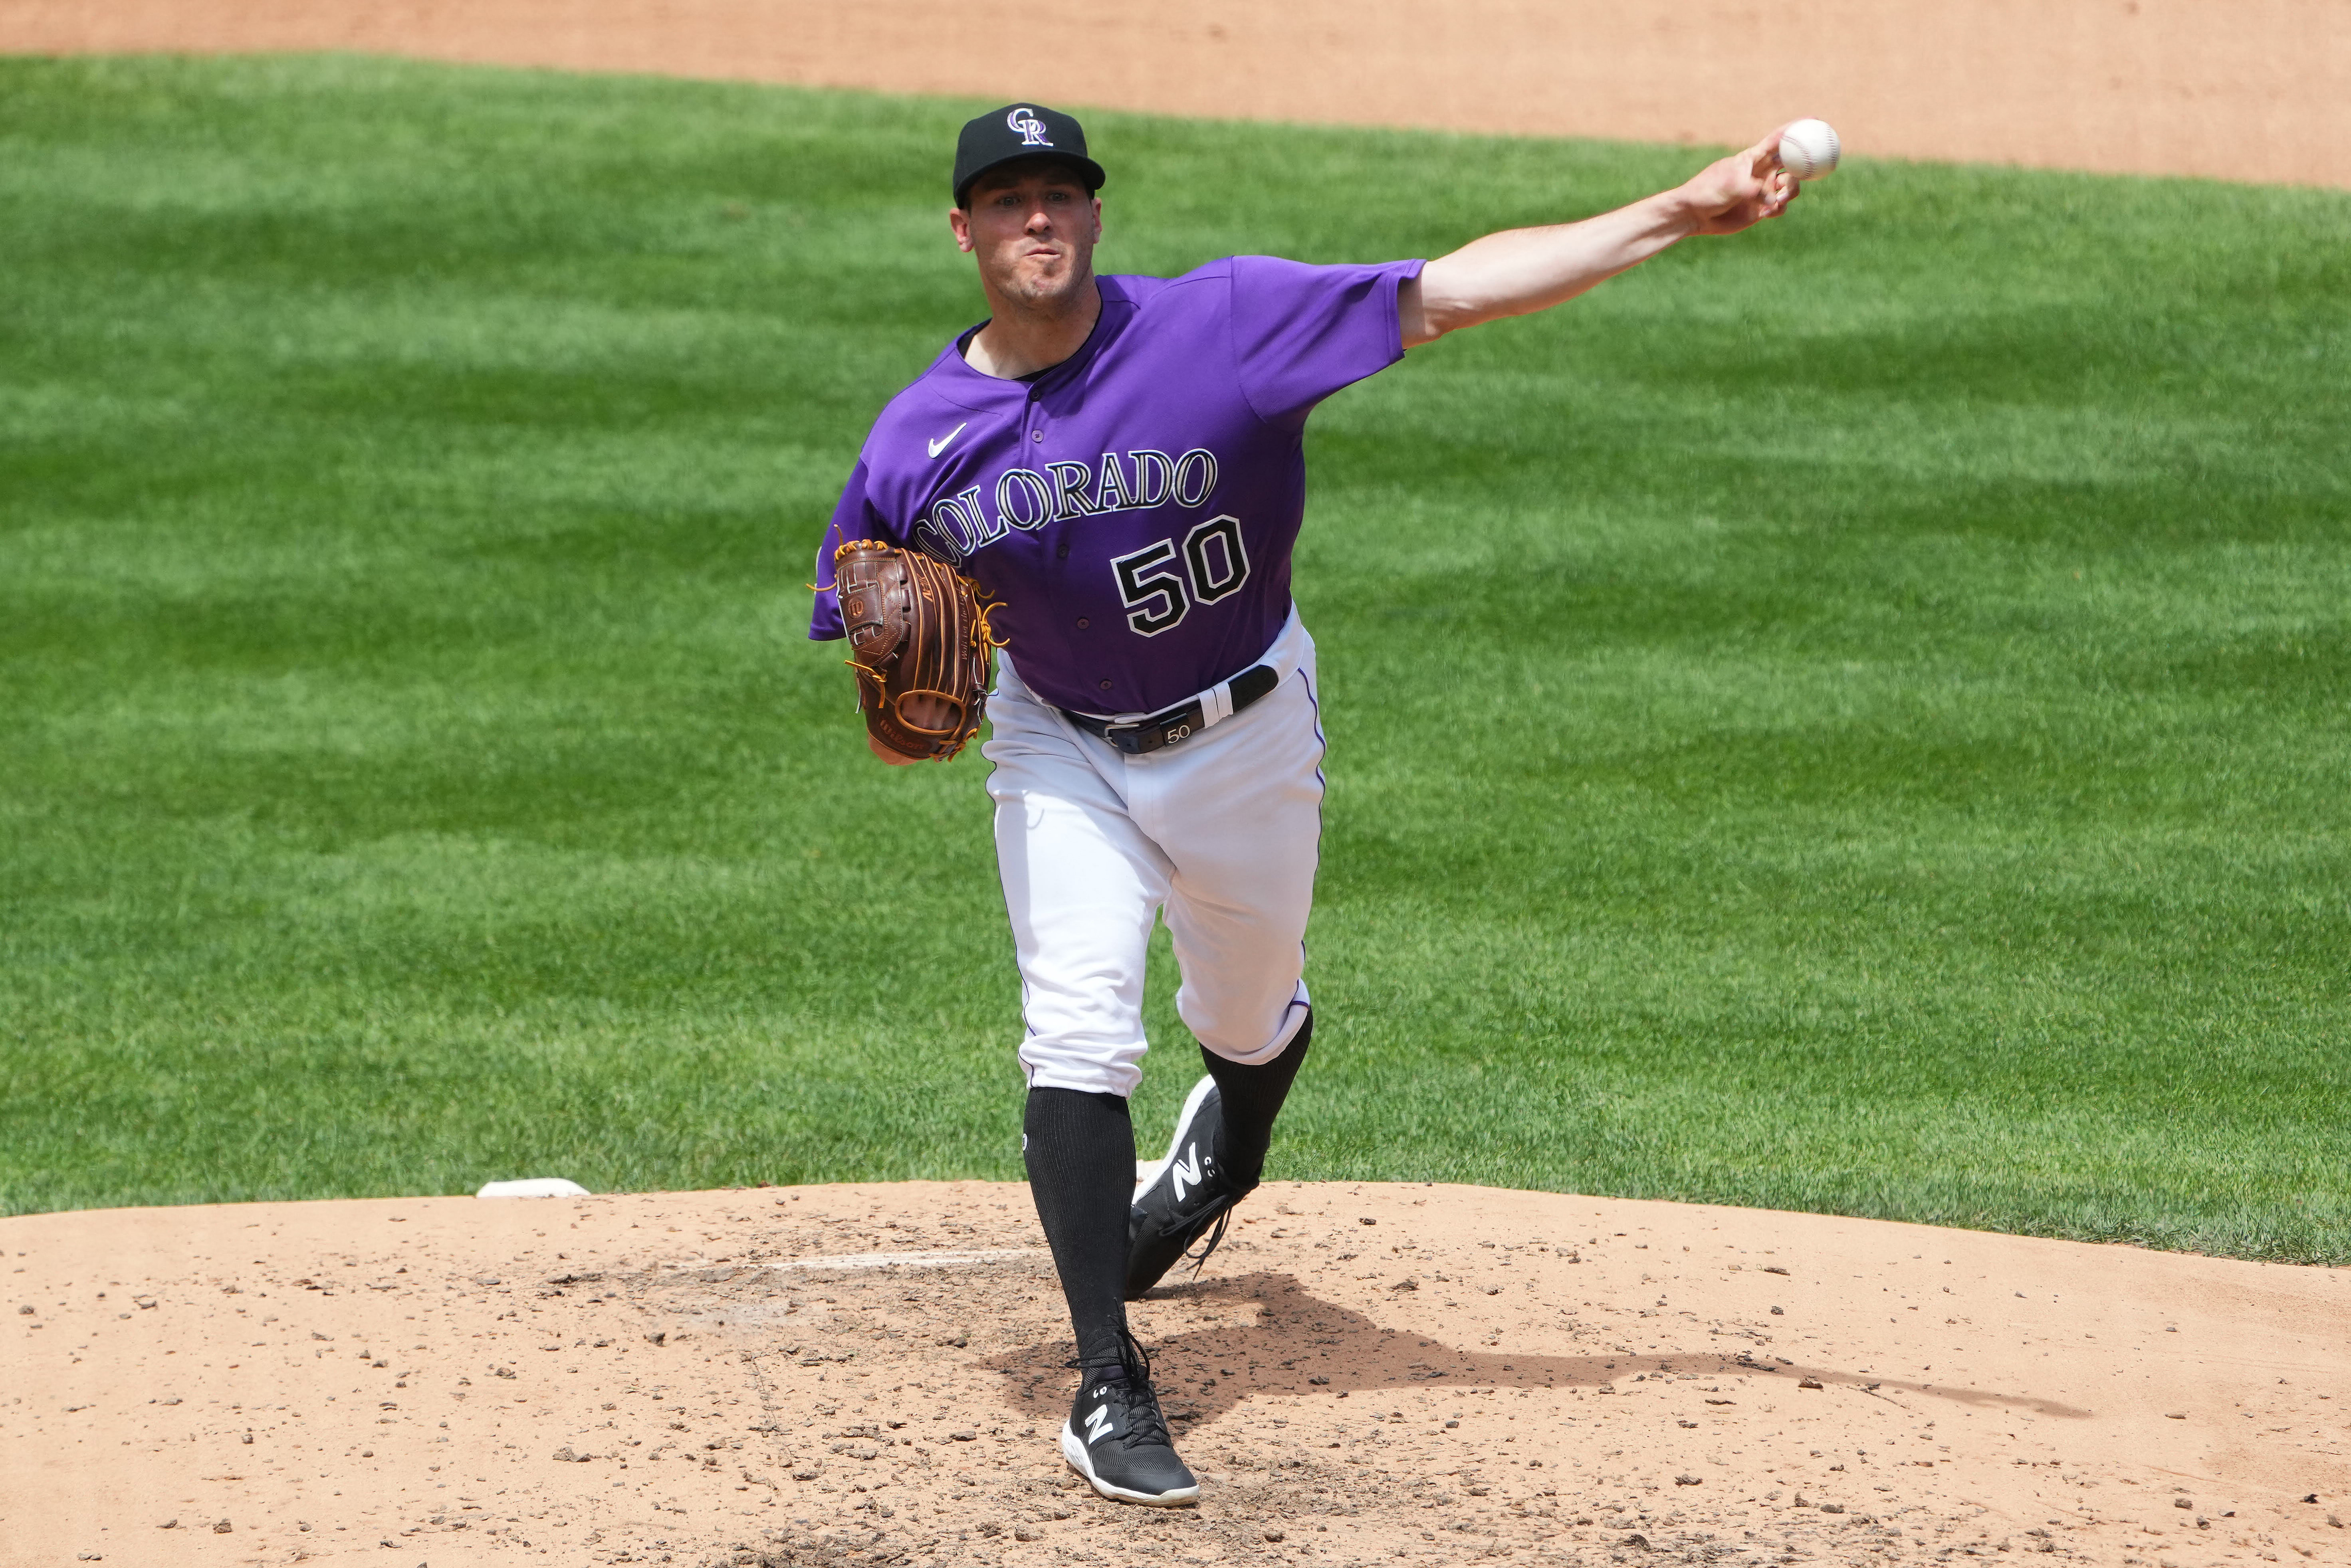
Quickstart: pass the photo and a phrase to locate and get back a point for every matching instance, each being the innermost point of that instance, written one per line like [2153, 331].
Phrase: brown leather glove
[923, 650]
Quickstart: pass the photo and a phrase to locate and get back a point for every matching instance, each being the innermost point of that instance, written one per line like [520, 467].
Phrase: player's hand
[1740, 190]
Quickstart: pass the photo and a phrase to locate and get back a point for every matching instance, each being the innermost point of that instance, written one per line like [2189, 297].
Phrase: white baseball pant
[1220, 833]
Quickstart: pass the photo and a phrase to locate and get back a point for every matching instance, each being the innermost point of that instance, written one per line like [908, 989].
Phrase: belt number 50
[1157, 589]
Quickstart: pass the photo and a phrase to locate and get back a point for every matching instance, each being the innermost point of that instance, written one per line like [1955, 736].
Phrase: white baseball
[1808, 149]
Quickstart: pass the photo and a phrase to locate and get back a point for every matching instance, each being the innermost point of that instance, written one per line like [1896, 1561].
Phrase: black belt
[1176, 724]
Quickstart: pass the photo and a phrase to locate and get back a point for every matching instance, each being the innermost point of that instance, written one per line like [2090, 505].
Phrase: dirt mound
[873, 1374]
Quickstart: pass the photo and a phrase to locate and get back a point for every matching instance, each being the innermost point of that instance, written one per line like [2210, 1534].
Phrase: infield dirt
[1373, 1373]
[2250, 90]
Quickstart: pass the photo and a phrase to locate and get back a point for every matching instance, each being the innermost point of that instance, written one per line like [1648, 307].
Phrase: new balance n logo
[1098, 1424]
[1186, 1171]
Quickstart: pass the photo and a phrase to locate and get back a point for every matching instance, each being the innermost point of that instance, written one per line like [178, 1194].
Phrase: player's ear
[959, 225]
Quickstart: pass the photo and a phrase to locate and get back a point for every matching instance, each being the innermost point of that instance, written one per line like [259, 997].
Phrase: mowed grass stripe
[1851, 718]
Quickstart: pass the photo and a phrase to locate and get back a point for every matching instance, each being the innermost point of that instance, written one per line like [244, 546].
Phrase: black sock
[1252, 1098]
[1079, 1149]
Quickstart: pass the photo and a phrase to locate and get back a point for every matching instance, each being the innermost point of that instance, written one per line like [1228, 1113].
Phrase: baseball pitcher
[1100, 484]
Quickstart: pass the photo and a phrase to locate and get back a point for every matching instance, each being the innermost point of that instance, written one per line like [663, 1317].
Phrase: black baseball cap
[1020, 130]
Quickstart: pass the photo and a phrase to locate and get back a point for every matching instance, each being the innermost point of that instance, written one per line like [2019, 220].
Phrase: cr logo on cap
[1032, 130]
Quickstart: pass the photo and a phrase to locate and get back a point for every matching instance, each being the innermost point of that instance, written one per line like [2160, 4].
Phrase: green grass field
[1853, 718]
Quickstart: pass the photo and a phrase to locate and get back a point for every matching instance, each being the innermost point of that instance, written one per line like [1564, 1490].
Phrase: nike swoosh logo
[941, 443]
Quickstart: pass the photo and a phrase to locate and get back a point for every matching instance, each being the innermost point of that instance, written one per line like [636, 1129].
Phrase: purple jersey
[1134, 506]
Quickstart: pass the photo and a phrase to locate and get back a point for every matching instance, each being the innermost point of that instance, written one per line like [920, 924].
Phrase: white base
[536, 1186]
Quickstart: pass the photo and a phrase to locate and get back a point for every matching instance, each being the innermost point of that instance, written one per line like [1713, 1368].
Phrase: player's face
[1033, 229]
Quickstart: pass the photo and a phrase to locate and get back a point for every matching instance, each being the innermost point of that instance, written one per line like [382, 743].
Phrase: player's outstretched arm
[1521, 271]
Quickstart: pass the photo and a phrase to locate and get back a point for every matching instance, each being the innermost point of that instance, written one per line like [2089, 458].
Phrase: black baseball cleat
[1182, 1197]
[1117, 1440]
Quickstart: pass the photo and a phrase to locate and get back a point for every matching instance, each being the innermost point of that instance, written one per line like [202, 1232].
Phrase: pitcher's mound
[873, 1375]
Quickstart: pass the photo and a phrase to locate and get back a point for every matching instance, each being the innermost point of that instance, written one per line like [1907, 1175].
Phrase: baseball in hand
[1808, 149]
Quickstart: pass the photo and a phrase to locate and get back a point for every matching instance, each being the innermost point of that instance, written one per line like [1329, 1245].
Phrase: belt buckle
[1146, 735]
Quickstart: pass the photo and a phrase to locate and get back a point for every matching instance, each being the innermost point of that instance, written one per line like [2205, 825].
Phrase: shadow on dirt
[1299, 1343]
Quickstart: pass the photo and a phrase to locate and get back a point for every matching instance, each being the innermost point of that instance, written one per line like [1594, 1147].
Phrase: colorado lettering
[963, 514]
[1023, 499]
[1071, 483]
[959, 526]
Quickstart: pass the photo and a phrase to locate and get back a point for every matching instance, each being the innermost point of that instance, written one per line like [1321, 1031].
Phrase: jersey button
[1105, 685]
[1083, 622]
[1035, 435]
